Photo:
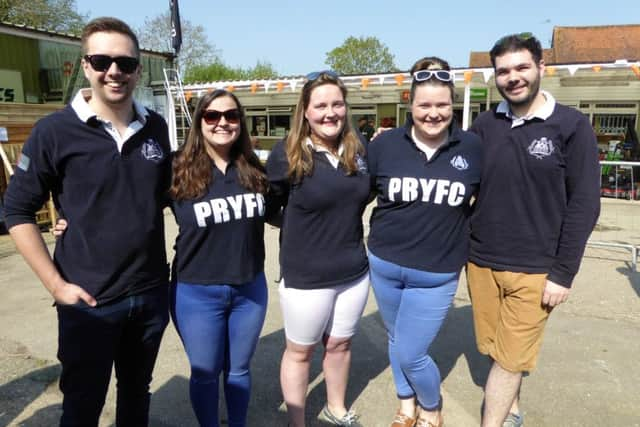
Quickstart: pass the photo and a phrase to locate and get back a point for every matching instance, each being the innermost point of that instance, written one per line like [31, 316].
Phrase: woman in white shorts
[318, 174]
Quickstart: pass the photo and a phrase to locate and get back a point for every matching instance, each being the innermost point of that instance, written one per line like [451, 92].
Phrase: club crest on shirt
[151, 150]
[540, 148]
[361, 164]
[459, 163]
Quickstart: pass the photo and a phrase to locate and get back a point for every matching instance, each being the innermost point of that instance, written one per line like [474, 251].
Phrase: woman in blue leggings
[219, 295]
[425, 175]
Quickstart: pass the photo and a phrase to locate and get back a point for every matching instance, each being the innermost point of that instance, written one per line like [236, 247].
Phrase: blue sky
[294, 36]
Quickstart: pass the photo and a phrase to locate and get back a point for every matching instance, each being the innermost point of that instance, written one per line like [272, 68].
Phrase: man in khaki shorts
[539, 200]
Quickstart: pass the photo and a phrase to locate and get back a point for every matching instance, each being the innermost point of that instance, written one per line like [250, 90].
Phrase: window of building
[610, 118]
[270, 121]
[615, 125]
[612, 123]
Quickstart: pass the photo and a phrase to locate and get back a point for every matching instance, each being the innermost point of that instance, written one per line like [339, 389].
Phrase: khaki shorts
[508, 315]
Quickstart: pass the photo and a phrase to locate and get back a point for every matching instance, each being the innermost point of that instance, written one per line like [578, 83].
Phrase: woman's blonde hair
[299, 154]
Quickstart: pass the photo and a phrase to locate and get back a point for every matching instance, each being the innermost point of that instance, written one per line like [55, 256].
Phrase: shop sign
[478, 93]
[11, 86]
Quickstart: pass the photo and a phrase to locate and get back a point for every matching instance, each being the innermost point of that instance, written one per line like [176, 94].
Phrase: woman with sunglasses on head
[219, 297]
[319, 176]
[425, 175]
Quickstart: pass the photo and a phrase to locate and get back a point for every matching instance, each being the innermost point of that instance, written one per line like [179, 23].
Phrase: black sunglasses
[424, 75]
[101, 63]
[315, 75]
[212, 117]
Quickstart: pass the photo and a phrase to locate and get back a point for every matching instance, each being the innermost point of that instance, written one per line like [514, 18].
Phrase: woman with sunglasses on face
[219, 298]
[425, 175]
[319, 176]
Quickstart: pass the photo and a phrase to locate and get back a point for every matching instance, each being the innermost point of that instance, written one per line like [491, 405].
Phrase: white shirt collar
[544, 112]
[334, 160]
[84, 111]
[427, 150]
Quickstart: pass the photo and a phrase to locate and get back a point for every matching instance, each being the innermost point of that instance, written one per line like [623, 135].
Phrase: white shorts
[334, 311]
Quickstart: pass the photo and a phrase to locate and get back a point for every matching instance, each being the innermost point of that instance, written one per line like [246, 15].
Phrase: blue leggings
[219, 326]
[413, 305]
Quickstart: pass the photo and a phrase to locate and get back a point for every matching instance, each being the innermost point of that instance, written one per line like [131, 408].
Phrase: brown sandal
[425, 423]
[402, 420]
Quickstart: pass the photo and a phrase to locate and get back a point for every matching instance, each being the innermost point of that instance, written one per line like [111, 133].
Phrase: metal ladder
[179, 119]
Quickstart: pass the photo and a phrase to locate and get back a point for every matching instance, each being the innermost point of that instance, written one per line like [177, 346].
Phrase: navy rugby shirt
[421, 218]
[112, 198]
[540, 193]
[221, 234]
[322, 235]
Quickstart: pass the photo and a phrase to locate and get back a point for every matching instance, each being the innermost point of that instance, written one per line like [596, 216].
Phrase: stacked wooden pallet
[18, 120]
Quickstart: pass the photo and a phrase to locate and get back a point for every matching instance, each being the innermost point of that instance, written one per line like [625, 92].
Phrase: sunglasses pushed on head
[315, 75]
[424, 75]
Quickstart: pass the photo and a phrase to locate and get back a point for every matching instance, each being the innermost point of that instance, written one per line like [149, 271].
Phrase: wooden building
[40, 72]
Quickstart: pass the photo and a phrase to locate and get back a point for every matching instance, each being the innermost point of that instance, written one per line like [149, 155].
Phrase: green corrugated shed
[152, 67]
[21, 54]
[42, 62]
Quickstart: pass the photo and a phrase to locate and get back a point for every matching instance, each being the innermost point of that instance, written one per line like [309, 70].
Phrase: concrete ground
[588, 372]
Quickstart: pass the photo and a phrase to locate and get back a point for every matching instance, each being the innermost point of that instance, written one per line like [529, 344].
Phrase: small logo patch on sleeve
[23, 162]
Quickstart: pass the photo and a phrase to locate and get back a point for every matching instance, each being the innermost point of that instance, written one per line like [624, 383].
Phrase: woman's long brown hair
[299, 154]
[192, 166]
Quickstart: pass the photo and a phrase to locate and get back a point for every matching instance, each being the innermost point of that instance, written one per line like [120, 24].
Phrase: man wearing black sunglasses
[112, 68]
[105, 159]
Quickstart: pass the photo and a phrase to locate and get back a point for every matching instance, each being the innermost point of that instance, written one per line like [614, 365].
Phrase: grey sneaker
[513, 420]
[350, 419]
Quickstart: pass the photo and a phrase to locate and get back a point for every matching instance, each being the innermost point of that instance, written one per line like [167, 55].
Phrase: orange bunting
[467, 76]
[67, 68]
[279, 86]
[254, 87]
[231, 88]
[596, 68]
[550, 71]
[636, 70]
[399, 79]
[365, 83]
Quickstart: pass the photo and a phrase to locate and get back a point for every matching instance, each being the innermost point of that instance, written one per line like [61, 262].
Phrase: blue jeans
[91, 340]
[219, 326]
[413, 305]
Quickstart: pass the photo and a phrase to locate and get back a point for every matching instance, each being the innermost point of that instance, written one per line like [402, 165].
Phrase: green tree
[218, 70]
[361, 55]
[53, 15]
[262, 70]
[196, 50]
